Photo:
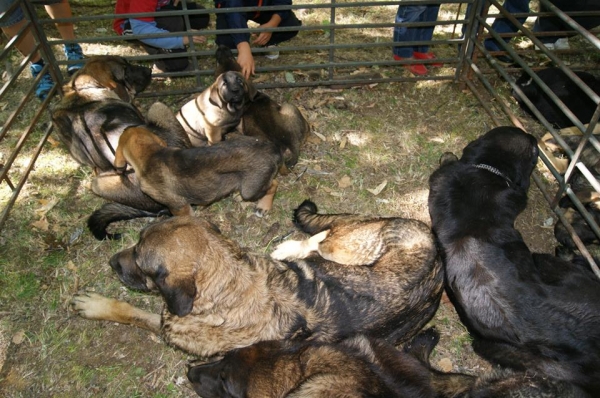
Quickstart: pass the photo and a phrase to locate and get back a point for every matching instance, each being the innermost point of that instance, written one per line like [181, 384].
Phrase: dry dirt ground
[371, 151]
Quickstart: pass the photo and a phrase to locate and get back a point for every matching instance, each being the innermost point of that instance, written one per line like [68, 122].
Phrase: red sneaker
[417, 69]
[428, 55]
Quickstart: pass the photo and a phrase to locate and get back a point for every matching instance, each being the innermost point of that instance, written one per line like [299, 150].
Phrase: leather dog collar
[493, 170]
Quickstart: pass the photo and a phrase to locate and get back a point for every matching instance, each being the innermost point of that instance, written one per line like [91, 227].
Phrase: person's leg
[426, 33]
[172, 24]
[289, 22]
[503, 25]
[404, 34]
[73, 51]
[26, 45]
[223, 39]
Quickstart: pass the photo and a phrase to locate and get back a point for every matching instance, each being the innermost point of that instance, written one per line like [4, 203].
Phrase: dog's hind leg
[265, 203]
[96, 307]
[297, 249]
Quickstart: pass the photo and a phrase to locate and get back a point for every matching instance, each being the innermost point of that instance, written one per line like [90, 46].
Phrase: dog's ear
[447, 157]
[119, 84]
[214, 98]
[179, 294]
[252, 91]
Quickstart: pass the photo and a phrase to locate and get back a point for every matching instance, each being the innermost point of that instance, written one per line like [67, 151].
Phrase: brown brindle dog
[179, 178]
[358, 366]
[378, 276]
[97, 107]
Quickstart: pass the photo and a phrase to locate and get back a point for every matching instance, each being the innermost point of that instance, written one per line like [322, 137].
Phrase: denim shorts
[17, 14]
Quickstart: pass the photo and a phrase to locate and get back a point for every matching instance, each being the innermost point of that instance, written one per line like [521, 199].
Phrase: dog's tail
[308, 220]
[112, 212]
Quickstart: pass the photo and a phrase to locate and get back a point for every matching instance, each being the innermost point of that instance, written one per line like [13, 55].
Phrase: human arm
[235, 20]
[245, 59]
[263, 37]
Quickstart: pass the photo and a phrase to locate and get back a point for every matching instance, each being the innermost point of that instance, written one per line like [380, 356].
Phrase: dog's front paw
[92, 306]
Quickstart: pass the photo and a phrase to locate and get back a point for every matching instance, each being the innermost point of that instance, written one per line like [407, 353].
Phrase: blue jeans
[503, 25]
[402, 33]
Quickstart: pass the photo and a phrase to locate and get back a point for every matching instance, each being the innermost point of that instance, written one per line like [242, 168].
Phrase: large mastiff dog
[97, 107]
[232, 103]
[357, 366]
[378, 276]
[527, 311]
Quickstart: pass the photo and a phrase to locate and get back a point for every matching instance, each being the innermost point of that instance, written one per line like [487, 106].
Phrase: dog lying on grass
[526, 311]
[377, 276]
[358, 366]
[179, 178]
[574, 98]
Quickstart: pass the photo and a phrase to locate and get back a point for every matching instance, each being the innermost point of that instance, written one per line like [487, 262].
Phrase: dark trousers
[176, 24]
[263, 17]
[555, 24]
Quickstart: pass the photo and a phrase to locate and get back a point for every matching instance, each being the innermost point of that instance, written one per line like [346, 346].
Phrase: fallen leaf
[260, 79]
[343, 142]
[42, 224]
[378, 189]
[18, 337]
[345, 182]
[321, 136]
[46, 206]
[445, 365]
[71, 266]
[289, 77]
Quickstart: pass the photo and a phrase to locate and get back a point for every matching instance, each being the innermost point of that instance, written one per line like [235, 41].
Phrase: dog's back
[526, 311]
[565, 89]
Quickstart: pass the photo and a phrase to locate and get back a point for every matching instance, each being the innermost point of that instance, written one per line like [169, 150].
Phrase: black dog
[565, 89]
[525, 310]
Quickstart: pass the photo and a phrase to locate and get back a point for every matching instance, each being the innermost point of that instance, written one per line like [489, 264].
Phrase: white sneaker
[272, 55]
[559, 44]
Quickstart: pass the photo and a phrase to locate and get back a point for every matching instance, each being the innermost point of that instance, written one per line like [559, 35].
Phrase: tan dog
[96, 108]
[219, 297]
[261, 117]
[217, 110]
[179, 178]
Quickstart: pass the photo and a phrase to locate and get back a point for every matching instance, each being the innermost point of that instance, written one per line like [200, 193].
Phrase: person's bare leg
[62, 10]
[26, 43]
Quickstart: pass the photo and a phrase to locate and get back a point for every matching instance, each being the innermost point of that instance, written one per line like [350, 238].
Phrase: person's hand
[195, 38]
[245, 59]
[175, 2]
[263, 38]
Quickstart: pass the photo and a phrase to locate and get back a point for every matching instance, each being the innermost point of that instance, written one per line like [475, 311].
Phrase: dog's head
[508, 149]
[171, 256]
[113, 73]
[225, 61]
[232, 92]
[249, 371]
